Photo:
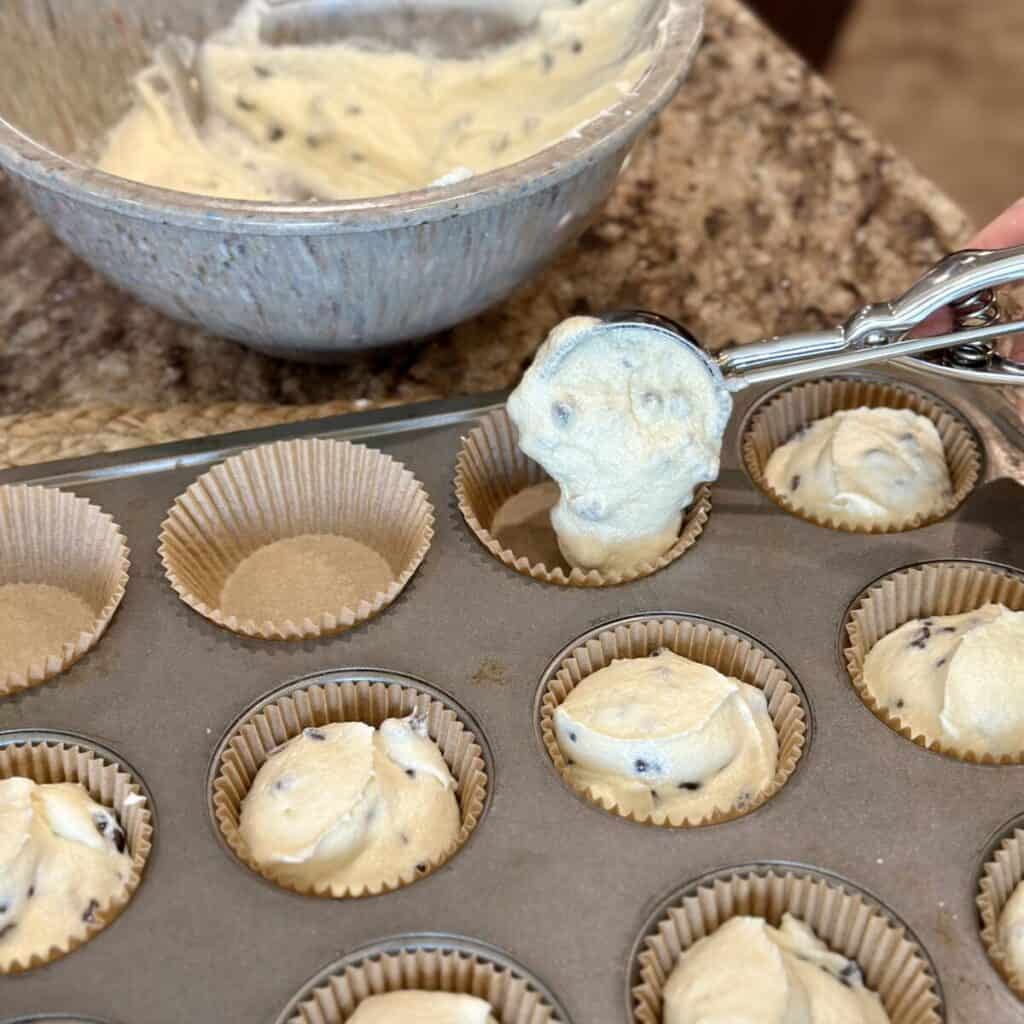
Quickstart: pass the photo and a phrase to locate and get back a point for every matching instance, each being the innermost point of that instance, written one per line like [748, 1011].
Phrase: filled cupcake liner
[48, 758]
[490, 469]
[362, 697]
[291, 489]
[426, 962]
[726, 650]
[848, 921]
[53, 537]
[1001, 873]
[933, 588]
[781, 415]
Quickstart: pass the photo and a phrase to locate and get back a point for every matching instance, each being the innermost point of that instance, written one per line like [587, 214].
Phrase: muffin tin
[562, 887]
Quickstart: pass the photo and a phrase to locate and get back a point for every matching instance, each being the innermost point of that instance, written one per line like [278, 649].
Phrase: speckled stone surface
[756, 206]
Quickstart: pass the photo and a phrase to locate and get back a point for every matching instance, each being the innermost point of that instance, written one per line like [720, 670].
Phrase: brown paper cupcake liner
[55, 538]
[1001, 872]
[490, 469]
[351, 695]
[430, 962]
[48, 757]
[780, 415]
[915, 592]
[848, 920]
[729, 651]
[293, 489]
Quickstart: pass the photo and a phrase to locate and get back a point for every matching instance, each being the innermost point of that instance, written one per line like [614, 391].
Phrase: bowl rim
[679, 26]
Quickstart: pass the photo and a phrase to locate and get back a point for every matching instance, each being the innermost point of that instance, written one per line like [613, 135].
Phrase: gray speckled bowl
[294, 279]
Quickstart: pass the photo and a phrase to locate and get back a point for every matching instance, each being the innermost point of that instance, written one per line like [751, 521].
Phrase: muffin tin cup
[291, 489]
[1002, 870]
[914, 592]
[349, 695]
[48, 757]
[728, 650]
[846, 918]
[780, 414]
[425, 961]
[55, 538]
[490, 469]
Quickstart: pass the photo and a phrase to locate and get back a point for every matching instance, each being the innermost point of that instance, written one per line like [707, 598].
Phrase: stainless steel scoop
[963, 282]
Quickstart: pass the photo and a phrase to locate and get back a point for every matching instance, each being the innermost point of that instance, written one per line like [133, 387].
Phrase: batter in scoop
[747, 972]
[418, 1007]
[1011, 931]
[668, 736]
[864, 467]
[955, 678]
[62, 860]
[239, 118]
[349, 805]
[628, 424]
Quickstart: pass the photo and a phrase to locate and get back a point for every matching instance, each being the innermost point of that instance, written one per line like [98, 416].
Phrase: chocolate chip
[640, 766]
[654, 795]
[261, 71]
[850, 974]
[422, 867]
[88, 915]
[941, 662]
[920, 641]
[410, 772]
[569, 761]
[7, 929]
[899, 702]
[577, 46]
[357, 157]
[119, 840]
[4, 907]
[275, 133]
[794, 482]
[948, 629]
[572, 737]
[691, 786]
[403, 838]
[243, 104]
[314, 734]
[101, 822]
[906, 437]
[31, 892]
[659, 652]
[313, 141]
[353, 110]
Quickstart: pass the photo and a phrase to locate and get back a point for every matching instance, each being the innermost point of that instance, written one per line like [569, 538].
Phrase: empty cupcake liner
[781, 414]
[1001, 872]
[914, 592]
[425, 961]
[55, 538]
[728, 650]
[490, 469]
[350, 695]
[48, 757]
[844, 917]
[286, 490]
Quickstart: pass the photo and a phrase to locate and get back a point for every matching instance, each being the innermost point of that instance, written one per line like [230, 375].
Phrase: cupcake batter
[302, 577]
[238, 118]
[417, 1007]
[347, 805]
[955, 678]
[747, 972]
[62, 861]
[1011, 931]
[668, 736]
[864, 467]
[36, 620]
[628, 424]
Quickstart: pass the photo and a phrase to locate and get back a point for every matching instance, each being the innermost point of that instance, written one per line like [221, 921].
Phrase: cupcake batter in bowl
[955, 678]
[668, 736]
[747, 972]
[239, 117]
[628, 424]
[62, 860]
[418, 1007]
[863, 467]
[347, 805]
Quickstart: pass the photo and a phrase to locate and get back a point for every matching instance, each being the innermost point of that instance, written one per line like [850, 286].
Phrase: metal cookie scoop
[962, 281]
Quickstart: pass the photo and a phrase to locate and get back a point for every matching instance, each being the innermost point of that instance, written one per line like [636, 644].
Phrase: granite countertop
[757, 205]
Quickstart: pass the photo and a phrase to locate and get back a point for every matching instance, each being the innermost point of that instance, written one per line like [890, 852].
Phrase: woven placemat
[42, 437]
